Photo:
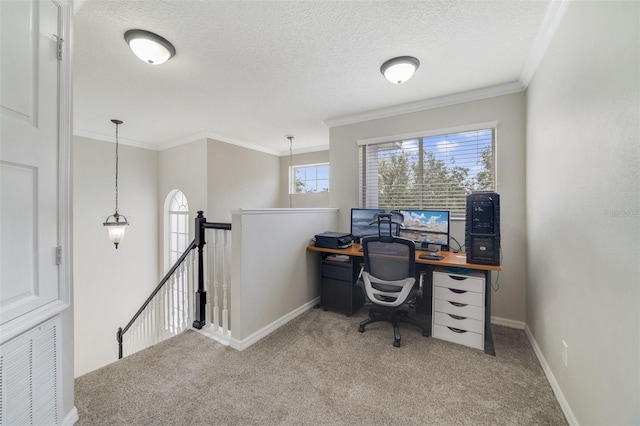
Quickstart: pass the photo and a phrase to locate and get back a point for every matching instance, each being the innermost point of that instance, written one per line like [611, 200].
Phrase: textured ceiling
[249, 72]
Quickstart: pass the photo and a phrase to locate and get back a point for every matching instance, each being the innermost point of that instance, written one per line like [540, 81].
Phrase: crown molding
[193, 138]
[183, 141]
[111, 139]
[306, 150]
[432, 103]
[550, 24]
[208, 135]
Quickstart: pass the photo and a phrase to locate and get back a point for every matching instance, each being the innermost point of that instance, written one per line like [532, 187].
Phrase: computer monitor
[426, 227]
[364, 222]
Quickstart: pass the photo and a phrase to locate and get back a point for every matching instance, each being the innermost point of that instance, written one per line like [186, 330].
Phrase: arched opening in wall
[176, 240]
[177, 227]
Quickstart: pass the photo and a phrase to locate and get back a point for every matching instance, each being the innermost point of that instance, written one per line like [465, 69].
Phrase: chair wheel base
[396, 343]
[361, 329]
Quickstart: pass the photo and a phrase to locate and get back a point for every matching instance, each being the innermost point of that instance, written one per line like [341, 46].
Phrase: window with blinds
[430, 171]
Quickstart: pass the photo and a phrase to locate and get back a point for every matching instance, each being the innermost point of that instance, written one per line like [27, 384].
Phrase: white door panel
[28, 156]
[18, 84]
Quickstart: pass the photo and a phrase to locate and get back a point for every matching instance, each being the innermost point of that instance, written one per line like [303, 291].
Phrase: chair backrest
[389, 258]
[389, 222]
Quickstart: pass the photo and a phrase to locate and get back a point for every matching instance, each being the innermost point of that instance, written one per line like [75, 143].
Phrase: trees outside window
[428, 172]
[309, 178]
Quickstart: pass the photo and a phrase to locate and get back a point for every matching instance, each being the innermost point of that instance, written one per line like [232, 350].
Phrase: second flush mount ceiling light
[149, 47]
[400, 69]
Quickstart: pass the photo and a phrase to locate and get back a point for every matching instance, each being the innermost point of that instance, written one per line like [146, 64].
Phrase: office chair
[389, 278]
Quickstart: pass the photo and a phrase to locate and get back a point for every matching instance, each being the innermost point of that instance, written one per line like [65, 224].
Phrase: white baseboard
[214, 333]
[245, 343]
[508, 323]
[71, 418]
[564, 405]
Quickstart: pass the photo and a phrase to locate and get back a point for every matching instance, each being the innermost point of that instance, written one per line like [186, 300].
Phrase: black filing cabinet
[339, 291]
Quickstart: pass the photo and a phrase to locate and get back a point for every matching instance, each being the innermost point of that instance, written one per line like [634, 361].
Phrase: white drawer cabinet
[458, 307]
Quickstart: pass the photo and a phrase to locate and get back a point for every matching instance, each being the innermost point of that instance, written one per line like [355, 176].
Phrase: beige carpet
[319, 370]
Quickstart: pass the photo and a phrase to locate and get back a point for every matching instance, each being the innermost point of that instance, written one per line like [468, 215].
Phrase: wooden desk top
[456, 260]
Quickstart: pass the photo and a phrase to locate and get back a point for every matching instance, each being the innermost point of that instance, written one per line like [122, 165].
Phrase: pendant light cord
[117, 167]
[117, 123]
[292, 178]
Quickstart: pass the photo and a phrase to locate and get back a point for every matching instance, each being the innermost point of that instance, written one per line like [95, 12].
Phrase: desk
[452, 260]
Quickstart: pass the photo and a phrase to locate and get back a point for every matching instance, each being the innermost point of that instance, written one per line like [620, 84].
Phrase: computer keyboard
[431, 256]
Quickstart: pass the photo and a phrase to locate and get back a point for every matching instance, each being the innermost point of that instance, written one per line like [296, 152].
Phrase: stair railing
[175, 302]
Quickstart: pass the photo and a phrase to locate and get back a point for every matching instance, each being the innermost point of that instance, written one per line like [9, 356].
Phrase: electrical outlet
[565, 354]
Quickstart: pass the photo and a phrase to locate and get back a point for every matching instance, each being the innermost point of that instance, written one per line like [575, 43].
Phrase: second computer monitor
[426, 227]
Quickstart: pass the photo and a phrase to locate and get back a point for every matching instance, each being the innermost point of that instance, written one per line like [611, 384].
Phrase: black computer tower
[482, 228]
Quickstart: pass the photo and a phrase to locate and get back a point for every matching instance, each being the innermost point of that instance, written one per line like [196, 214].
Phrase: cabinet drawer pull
[457, 317]
[457, 278]
[457, 330]
[456, 291]
[458, 304]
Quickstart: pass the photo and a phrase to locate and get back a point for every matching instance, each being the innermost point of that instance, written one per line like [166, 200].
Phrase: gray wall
[110, 284]
[509, 111]
[272, 286]
[303, 200]
[185, 168]
[240, 178]
[583, 190]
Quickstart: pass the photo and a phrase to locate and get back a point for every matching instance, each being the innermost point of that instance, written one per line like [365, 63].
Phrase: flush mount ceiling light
[400, 69]
[150, 47]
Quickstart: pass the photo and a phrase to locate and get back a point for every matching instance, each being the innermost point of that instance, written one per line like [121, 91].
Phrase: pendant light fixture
[149, 47]
[291, 173]
[116, 223]
[400, 69]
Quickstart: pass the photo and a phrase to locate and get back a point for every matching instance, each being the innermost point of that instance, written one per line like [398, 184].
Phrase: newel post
[201, 294]
[119, 339]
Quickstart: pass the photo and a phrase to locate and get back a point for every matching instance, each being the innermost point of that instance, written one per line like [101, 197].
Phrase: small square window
[309, 178]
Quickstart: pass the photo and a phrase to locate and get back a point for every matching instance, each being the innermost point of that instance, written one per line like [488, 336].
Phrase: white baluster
[133, 331]
[172, 304]
[165, 309]
[145, 322]
[216, 281]
[147, 327]
[128, 341]
[191, 290]
[143, 330]
[207, 282]
[176, 302]
[135, 337]
[183, 292]
[225, 310]
[157, 309]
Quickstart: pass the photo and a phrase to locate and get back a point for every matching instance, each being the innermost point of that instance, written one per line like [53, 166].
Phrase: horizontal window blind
[436, 171]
